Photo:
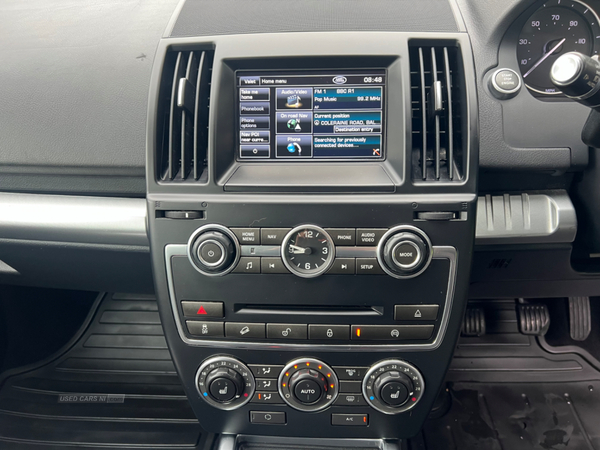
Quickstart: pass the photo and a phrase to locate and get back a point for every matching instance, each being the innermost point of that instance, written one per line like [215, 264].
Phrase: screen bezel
[366, 71]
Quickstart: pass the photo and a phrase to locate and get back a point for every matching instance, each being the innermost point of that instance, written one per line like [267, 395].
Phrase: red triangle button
[202, 310]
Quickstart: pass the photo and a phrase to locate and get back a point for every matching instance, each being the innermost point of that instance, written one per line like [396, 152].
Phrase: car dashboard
[314, 193]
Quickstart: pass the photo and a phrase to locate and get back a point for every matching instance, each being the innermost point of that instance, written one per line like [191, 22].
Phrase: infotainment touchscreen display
[311, 115]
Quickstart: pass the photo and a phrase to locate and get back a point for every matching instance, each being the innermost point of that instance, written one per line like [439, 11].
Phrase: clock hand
[298, 250]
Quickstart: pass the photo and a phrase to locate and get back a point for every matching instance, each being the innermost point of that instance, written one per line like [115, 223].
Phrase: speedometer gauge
[558, 27]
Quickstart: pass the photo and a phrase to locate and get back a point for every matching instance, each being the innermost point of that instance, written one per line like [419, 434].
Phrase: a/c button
[351, 420]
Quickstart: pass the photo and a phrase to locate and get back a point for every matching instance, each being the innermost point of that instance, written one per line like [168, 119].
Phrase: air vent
[438, 113]
[183, 117]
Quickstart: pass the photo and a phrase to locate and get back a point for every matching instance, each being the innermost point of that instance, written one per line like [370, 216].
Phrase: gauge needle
[552, 50]
[300, 250]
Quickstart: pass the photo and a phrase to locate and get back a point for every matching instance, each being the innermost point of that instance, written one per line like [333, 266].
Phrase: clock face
[308, 251]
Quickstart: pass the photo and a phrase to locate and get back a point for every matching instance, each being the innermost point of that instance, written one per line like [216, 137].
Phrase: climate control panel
[310, 385]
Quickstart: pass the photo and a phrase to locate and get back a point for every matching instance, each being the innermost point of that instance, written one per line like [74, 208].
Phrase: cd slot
[309, 310]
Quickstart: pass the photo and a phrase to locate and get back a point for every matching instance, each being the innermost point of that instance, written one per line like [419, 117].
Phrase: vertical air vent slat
[201, 106]
[175, 123]
[438, 102]
[434, 108]
[187, 115]
[450, 149]
[423, 113]
[184, 103]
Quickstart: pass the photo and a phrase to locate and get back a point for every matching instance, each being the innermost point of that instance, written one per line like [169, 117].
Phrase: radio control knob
[213, 250]
[404, 252]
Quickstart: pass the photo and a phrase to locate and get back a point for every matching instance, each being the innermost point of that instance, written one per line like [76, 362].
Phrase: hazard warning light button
[202, 309]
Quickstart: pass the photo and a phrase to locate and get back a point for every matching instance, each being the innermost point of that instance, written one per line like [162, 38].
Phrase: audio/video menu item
[311, 115]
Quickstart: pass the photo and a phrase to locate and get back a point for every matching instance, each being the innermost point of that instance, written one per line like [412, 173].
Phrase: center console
[312, 212]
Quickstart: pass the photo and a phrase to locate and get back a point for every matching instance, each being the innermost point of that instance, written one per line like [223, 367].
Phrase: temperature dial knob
[225, 383]
[393, 386]
[213, 250]
[308, 384]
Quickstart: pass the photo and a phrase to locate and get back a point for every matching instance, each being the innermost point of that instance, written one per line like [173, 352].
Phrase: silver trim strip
[74, 219]
[439, 252]
[356, 252]
[261, 250]
[529, 218]
[233, 442]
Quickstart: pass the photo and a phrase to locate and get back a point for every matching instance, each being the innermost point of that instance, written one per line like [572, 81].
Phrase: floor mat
[558, 335]
[517, 416]
[115, 388]
[505, 392]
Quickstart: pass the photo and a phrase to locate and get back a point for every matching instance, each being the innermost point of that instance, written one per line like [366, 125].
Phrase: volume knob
[213, 250]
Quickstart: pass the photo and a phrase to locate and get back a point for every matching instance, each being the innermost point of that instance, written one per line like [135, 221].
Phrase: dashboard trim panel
[439, 252]
[74, 219]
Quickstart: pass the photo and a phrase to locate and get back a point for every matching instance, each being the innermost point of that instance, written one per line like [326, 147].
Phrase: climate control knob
[404, 252]
[225, 382]
[308, 384]
[213, 250]
[393, 386]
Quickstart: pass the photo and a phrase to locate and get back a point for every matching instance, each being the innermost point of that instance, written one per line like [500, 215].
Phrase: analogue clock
[308, 251]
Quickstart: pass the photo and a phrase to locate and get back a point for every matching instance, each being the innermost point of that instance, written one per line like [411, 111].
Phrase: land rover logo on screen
[339, 80]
